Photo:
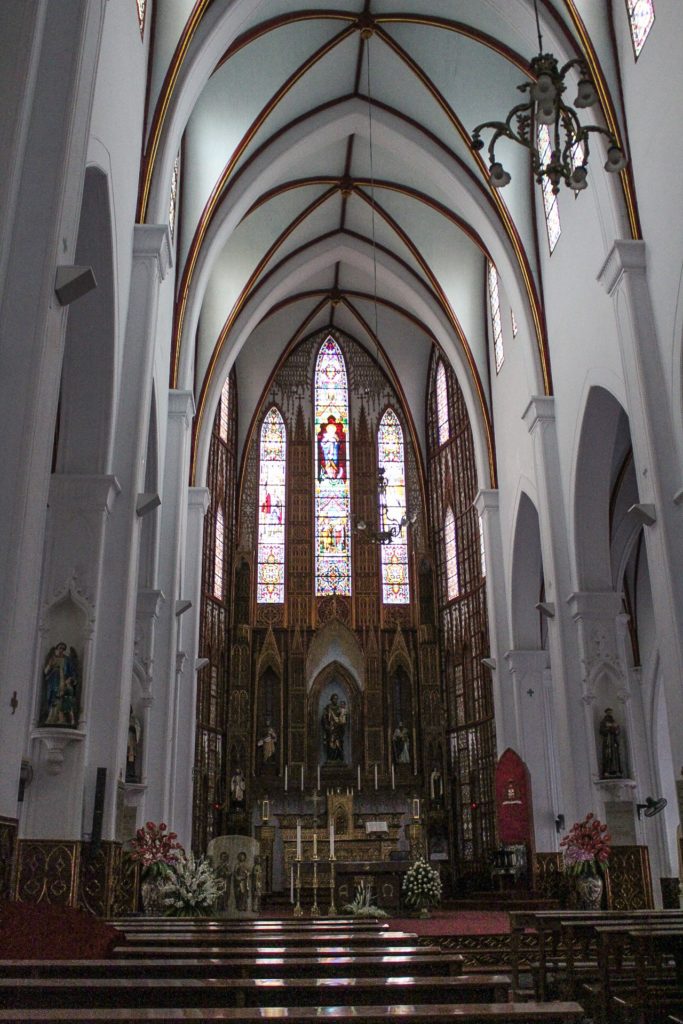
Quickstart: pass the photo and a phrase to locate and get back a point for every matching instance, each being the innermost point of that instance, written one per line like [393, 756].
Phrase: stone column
[572, 749]
[656, 461]
[537, 743]
[184, 731]
[163, 719]
[487, 505]
[114, 659]
[49, 54]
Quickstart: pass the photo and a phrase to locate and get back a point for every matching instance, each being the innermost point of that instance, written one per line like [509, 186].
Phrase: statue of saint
[401, 744]
[238, 787]
[611, 755]
[256, 885]
[224, 873]
[60, 674]
[333, 723]
[240, 882]
[267, 743]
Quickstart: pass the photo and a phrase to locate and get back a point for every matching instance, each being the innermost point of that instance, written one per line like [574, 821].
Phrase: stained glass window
[496, 325]
[641, 16]
[141, 6]
[219, 555]
[513, 320]
[395, 584]
[442, 404]
[172, 202]
[450, 539]
[482, 549]
[270, 585]
[332, 495]
[225, 411]
[552, 213]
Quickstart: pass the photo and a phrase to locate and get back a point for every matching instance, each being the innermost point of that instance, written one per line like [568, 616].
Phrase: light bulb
[577, 179]
[586, 95]
[498, 176]
[545, 113]
[616, 161]
[544, 89]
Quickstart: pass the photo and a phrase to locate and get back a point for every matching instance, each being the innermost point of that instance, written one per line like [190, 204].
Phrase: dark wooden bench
[465, 1013]
[22, 993]
[225, 949]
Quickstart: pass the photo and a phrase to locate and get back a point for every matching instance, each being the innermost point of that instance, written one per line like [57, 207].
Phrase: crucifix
[316, 799]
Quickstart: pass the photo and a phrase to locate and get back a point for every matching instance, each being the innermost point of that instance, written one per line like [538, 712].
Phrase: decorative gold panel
[629, 883]
[8, 843]
[549, 877]
[99, 875]
[127, 888]
[48, 871]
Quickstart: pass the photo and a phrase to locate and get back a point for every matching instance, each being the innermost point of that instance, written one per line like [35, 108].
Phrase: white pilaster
[487, 505]
[572, 750]
[656, 461]
[183, 745]
[163, 721]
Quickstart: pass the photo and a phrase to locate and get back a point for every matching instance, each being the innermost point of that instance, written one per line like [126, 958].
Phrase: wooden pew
[23, 993]
[294, 940]
[465, 1013]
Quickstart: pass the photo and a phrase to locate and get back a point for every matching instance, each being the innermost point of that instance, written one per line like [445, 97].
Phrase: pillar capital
[153, 242]
[626, 255]
[541, 409]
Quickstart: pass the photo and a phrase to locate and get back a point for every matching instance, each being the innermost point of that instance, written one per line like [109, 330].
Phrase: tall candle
[318, 776]
[298, 840]
[315, 845]
[286, 767]
[302, 778]
[331, 840]
[375, 776]
[291, 883]
[359, 778]
[393, 778]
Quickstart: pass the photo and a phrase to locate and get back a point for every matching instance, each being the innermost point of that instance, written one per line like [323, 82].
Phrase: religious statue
[240, 882]
[401, 744]
[331, 450]
[267, 743]
[238, 787]
[132, 746]
[256, 885]
[224, 873]
[611, 755]
[333, 723]
[60, 675]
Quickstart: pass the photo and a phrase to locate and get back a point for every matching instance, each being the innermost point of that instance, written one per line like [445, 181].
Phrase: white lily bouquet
[421, 885]
[191, 888]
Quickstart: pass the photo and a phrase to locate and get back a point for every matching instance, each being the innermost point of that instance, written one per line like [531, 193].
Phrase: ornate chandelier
[389, 529]
[568, 138]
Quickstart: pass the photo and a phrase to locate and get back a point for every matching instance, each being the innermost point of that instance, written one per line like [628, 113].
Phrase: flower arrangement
[421, 885]
[190, 888]
[155, 849]
[362, 905]
[586, 846]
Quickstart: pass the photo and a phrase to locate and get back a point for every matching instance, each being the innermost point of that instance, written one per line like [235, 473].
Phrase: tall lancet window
[332, 494]
[443, 425]
[451, 542]
[219, 556]
[270, 586]
[395, 583]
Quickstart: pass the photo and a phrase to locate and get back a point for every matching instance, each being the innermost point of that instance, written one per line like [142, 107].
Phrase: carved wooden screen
[463, 618]
[212, 681]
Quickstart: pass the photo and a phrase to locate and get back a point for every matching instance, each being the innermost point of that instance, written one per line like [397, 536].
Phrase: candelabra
[332, 912]
[315, 909]
[298, 912]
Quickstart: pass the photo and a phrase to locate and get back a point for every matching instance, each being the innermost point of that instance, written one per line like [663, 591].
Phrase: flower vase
[425, 912]
[589, 892]
[150, 894]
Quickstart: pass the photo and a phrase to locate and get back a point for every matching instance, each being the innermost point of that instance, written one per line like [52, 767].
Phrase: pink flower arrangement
[155, 848]
[586, 845]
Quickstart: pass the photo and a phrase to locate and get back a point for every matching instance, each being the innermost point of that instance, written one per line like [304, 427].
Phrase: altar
[385, 878]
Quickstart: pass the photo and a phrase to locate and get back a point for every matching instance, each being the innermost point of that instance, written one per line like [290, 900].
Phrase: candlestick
[298, 840]
[315, 909]
[298, 912]
[291, 884]
[359, 778]
[302, 778]
[375, 776]
[286, 767]
[333, 910]
[331, 840]
[318, 776]
[393, 778]
[315, 846]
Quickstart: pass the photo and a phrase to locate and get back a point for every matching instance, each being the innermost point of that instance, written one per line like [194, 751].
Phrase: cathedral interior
[343, 457]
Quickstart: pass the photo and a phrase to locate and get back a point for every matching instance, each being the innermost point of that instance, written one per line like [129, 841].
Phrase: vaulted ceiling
[325, 160]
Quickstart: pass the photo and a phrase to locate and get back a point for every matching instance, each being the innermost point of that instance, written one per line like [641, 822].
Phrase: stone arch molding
[335, 645]
[410, 145]
[293, 276]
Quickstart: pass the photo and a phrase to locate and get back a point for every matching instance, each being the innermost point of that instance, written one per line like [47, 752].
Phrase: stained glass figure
[641, 16]
[451, 542]
[224, 421]
[270, 584]
[496, 325]
[442, 404]
[482, 549]
[332, 495]
[172, 201]
[395, 583]
[552, 212]
[219, 555]
[141, 8]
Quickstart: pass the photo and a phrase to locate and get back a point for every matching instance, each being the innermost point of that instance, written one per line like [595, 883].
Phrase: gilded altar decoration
[61, 687]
